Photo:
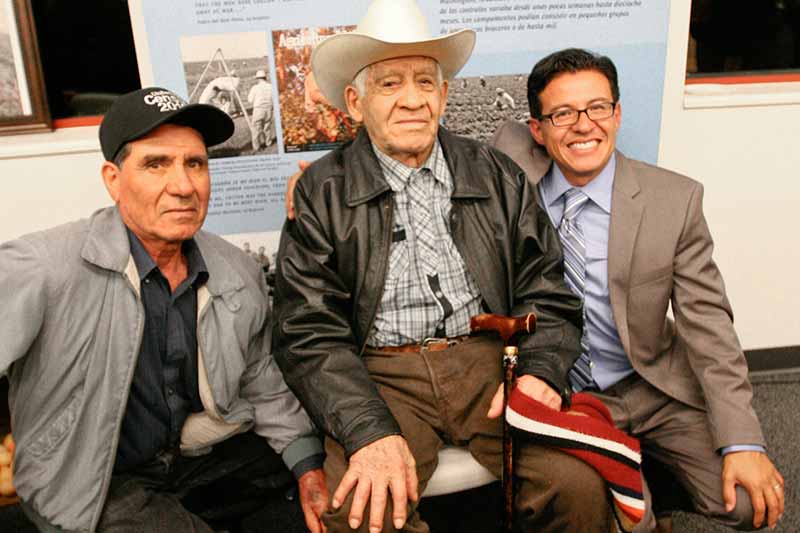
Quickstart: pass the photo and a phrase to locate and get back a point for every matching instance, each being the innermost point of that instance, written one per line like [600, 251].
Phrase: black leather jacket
[332, 264]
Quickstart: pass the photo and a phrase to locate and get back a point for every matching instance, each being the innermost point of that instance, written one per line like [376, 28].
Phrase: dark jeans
[178, 494]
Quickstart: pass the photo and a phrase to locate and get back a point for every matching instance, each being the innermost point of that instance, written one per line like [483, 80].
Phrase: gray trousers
[678, 437]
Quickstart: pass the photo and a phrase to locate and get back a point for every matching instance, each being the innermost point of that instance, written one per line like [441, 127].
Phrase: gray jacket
[71, 322]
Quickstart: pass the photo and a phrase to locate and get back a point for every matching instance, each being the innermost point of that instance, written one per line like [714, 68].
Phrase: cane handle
[509, 328]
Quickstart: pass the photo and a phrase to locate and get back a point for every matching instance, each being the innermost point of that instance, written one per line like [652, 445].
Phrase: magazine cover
[309, 122]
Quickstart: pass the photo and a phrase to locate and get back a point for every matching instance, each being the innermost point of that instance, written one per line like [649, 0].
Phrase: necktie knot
[574, 201]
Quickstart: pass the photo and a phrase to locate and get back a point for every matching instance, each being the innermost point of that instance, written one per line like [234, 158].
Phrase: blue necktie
[574, 245]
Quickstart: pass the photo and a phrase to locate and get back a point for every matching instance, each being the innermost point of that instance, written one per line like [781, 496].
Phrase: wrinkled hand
[313, 499]
[532, 387]
[302, 165]
[762, 481]
[386, 464]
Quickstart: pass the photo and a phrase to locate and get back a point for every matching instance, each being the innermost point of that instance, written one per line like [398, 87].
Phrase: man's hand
[303, 165]
[313, 499]
[532, 387]
[762, 481]
[386, 464]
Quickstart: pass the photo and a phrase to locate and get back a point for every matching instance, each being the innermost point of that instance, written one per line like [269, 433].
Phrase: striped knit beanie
[592, 438]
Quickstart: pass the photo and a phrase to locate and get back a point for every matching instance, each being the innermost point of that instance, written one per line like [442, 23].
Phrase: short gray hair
[122, 154]
[360, 79]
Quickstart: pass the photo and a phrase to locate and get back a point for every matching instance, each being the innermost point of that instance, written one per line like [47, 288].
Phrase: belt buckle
[425, 345]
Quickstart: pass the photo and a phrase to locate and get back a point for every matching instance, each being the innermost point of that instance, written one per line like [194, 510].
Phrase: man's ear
[445, 91]
[353, 101]
[111, 177]
[535, 125]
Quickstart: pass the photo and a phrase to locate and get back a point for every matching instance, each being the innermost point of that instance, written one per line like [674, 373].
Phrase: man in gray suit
[635, 241]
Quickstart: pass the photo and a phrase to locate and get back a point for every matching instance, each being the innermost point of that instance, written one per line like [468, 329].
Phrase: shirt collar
[397, 174]
[197, 269]
[144, 263]
[599, 190]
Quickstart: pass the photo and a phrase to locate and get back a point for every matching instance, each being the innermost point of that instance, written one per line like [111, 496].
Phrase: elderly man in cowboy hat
[399, 238]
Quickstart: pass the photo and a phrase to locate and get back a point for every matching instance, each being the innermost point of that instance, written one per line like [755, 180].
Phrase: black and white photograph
[231, 71]
[476, 105]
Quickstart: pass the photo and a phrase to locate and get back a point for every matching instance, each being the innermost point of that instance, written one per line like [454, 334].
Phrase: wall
[745, 156]
[39, 190]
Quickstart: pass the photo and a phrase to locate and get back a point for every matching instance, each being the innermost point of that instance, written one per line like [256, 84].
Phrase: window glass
[88, 56]
[742, 36]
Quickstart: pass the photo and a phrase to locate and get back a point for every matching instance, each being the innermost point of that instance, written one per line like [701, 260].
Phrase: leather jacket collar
[365, 179]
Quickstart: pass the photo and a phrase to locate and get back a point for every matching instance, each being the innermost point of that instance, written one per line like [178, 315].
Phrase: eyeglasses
[568, 116]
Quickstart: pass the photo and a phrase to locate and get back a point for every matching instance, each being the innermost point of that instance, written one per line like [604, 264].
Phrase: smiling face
[582, 150]
[402, 102]
[163, 186]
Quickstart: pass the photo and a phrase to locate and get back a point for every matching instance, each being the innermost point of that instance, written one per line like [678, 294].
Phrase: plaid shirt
[428, 291]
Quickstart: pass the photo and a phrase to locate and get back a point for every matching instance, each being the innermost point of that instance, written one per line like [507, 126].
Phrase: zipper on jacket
[388, 207]
[121, 414]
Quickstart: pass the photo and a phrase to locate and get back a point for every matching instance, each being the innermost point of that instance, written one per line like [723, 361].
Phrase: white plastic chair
[457, 470]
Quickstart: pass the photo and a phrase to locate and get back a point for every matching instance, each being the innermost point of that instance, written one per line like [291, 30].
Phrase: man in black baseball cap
[137, 113]
[140, 366]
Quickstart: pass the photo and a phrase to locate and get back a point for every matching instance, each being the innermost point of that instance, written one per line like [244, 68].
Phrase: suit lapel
[626, 216]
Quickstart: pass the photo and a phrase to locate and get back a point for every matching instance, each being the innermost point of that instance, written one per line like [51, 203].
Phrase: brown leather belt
[433, 344]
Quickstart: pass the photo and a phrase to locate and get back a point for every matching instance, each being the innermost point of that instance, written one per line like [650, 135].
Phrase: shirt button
[439, 294]
[170, 391]
[591, 364]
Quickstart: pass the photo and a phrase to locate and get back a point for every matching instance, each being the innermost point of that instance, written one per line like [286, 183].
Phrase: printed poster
[225, 48]
[309, 122]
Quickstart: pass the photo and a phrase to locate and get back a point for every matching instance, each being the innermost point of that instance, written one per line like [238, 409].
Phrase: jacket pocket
[397, 274]
[56, 430]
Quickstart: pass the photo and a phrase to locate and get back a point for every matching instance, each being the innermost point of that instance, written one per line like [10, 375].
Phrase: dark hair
[569, 60]
[122, 155]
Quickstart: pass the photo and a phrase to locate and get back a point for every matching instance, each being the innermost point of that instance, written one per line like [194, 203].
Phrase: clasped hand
[532, 387]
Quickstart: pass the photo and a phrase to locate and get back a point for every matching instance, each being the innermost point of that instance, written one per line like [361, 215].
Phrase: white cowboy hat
[391, 28]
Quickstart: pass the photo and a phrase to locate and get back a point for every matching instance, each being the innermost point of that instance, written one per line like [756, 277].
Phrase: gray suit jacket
[659, 254]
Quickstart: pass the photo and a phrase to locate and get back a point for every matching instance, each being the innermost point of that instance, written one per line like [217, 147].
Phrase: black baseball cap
[137, 113]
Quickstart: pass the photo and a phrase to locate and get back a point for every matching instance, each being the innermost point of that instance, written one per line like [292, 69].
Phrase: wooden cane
[510, 330]
[510, 354]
